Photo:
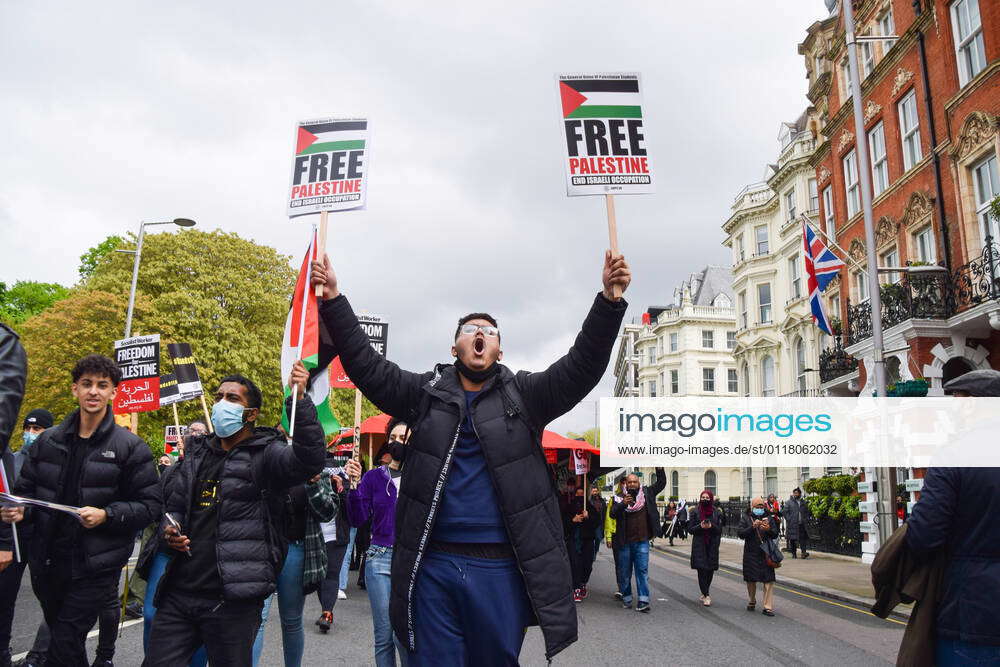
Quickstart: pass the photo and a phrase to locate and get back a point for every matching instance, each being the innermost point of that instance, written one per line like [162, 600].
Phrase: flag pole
[831, 242]
[609, 200]
[302, 326]
[322, 243]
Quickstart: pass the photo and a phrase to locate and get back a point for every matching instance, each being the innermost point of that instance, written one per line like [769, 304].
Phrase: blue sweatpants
[468, 611]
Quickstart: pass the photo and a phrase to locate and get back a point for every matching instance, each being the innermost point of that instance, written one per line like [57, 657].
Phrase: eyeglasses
[470, 329]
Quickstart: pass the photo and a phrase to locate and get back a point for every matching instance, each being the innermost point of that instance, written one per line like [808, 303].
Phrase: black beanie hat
[39, 417]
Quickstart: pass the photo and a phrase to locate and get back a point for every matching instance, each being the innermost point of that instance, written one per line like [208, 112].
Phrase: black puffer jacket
[13, 369]
[251, 542]
[509, 415]
[705, 556]
[117, 475]
[755, 566]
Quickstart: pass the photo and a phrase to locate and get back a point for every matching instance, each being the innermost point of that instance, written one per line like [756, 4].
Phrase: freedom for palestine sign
[329, 170]
[605, 140]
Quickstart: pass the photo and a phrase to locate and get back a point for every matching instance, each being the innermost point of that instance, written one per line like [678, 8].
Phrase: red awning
[552, 440]
[375, 424]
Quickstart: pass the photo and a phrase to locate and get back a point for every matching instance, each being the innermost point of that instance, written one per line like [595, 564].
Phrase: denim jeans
[377, 583]
[345, 569]
[291, 602]
[948, 652]
[634, 555]
[156, 570]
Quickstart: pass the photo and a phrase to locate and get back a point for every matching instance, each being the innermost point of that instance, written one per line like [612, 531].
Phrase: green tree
[90, 260]
[591, 435]
[225, 295]
[27, 298]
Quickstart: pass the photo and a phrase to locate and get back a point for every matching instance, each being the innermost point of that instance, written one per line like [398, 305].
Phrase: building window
[880, 165]
[708, 379]
[767, 376]
[845, 79]
[909, 130]
[740, 250]
[886, 27]
[743, 310]
[710, 481]
[817, 66]
[804, 474]
[968, 29]
[813, 195]
[860, 286]
[790, 206]
[764, 302]
[770, 481]
[800, 365]
[829, 222]
[673, 341]
[987, 186]
[730, 340]
[831, 470]
[760, 234]
[891, 258]
[866, 56]
[675, 484]
[707, 338]
[746, 380]
[923, 244]
[835, 306]
[748, 482]
[652, 388]
[659, 345]
[675, 385]
[851, 181]
[651, 355]
[732, 381]
[794, 276]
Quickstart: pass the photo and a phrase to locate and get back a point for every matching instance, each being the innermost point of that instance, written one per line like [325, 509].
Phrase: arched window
[800, 365]
[767, 376]
[710, 482]
[675, 484]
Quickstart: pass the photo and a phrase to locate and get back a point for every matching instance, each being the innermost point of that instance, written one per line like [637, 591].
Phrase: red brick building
[931, 100]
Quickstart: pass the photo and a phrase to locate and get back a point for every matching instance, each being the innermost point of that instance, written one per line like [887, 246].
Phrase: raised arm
[393, 390]
[287, 466]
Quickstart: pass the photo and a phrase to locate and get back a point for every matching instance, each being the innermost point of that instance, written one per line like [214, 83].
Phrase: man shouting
[479, 554]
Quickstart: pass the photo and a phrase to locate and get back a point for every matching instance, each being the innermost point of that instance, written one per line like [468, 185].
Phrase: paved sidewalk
[828, 575]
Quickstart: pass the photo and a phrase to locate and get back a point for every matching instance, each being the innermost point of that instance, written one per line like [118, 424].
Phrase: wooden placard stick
[609, 200]
[356, 451]
[321, 245]
[208, 418]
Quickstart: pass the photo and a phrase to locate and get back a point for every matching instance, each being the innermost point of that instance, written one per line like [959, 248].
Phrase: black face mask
[705, 503]
[477, 376]
[397, 450]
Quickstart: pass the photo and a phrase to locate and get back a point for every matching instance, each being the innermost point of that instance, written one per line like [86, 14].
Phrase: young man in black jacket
[636, 522]
[86, 461]
[479, 553]
[227, 495]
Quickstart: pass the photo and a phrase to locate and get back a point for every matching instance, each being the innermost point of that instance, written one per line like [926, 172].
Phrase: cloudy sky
[114, 113]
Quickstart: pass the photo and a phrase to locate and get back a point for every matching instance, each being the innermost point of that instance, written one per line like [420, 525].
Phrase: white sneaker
[707, 601]
[341, 595]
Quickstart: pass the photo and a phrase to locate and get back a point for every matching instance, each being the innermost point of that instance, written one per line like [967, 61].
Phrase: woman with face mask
[705, 526]
[756, 526]
[375, 499]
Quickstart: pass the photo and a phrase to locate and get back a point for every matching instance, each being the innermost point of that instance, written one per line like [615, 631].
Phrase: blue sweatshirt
[470, 511]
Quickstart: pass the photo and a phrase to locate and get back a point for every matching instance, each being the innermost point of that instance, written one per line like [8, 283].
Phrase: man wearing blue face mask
[227, 501]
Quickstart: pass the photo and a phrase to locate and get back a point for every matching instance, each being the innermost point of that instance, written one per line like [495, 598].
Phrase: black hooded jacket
[117, 475]
[509, 415]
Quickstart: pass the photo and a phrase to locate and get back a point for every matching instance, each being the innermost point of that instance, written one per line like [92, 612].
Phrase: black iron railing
[835, 361]
[979, 280]
[837, 536]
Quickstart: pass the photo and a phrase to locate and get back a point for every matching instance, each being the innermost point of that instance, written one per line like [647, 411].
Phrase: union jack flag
[821, 266]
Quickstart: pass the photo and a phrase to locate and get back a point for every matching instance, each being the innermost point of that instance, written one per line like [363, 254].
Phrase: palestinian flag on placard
[341, 135]
[315, 355]
[344, 441]
[600, 98]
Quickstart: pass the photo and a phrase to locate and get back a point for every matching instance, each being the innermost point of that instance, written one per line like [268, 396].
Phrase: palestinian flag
[302, 341]
[600, 98]
[343, 135]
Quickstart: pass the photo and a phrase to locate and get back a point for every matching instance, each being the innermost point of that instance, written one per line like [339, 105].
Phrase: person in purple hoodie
[375, 499]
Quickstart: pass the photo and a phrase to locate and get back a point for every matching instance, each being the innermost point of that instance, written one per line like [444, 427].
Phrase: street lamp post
[180, 222]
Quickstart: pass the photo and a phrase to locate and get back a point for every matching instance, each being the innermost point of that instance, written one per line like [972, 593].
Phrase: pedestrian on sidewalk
[601, 507]
[669, 527]
[89, 462]
[957, 511]
[228, 498]
[756, 526]
[581, 519]
[336, 535]
[478, 556]
[638, 520]
[796, 512]
[706, 535]
[611, 531]
[374, 500]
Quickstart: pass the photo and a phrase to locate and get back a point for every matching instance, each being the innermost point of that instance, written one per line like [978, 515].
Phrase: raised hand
[322, 274]
[616, 274]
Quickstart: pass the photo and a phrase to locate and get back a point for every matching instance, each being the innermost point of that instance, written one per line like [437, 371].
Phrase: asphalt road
[678, 631]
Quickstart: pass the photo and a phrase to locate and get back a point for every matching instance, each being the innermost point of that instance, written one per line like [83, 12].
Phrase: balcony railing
[835, 361]
[978, 281]
[915, 296]
[801, 393]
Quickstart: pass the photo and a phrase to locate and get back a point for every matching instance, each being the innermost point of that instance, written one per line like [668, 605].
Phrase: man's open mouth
[479, 346]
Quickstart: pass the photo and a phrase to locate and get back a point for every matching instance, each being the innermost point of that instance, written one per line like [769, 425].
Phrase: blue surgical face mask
[227, 418]
[29, 438]
[759, 511]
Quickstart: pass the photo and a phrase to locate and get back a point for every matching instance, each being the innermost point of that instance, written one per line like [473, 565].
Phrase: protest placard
[579, 462]
[185, 370]
[138, 358]
[605, 139]
[329, 169]
[377, 329]
[169, 393]
[172, 434]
